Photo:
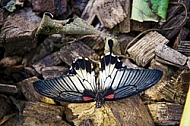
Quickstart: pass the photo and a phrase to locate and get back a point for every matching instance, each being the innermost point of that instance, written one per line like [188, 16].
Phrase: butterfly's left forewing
[76, 86]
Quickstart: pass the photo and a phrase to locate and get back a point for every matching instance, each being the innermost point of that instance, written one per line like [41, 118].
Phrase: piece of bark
[143, 51]
[28, 89]
[1, 17]
[124, 40]
[183, 34]
[172, 10]
[125, 25]
[56, 7]
[183, 81]
[44, 112]
[53, 71]
[78, 6]
[49, 60]
[164, 113]
[175, 22]
[6, 118]
[8, 89]
[37, 122]
[130, 111]
[5, 106]
[140, 26]
[166, 69]
[88, 14]
[74, 50]
[38, 53]
[170, 54]
[184, 48]
[10, 61]
[110, 12]
[170, 93]
[13, 69]
[17, 32]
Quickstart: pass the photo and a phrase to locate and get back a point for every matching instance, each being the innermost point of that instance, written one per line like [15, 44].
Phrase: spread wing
[120, 82]
[76, 86]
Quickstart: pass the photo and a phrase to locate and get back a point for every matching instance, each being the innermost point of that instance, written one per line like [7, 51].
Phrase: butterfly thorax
[99, 99]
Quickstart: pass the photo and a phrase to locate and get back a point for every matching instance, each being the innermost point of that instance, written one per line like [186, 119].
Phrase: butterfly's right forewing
[76, 86]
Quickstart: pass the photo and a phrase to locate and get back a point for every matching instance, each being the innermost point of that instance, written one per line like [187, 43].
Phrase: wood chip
[10, 61]
[17, 32]
[174, 22]
[184, 47]
[88, 14]
[50, 60]
[125, 25]
[38, 53]
[7, 88]
[170, 54]
[164, 113]
[43, 111]
[77, 49]
[53, 71]
[28, 89]
[143, 51]
[110, 12]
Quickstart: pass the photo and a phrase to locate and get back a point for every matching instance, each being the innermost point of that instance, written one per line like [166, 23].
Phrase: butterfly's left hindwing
[76, 86]
[120, 82]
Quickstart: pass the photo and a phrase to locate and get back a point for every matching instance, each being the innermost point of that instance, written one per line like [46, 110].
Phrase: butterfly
[113, 81]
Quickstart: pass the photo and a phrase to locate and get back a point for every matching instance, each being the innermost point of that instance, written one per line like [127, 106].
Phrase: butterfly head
[99, 99]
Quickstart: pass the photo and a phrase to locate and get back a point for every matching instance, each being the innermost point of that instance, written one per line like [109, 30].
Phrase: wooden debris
[139, 26]
[170, 54]
[6, 119]
[124, 40]
[88, 14]
[164, 113]
[50, 60]
[74, 50]
[10, 61]
[163, 67]
[7, 88]
[184, 47]
[170, 93]
[56, 7]
[43, 111]
[142, 52]
[110, 12]
[17, 32]
[1, 17]
[28, 89]
[53, 71]
[177, 23]
[5, 106]
[125, 25]
[134, 107]
[38, 53]
[111, 114]
[188, 62]
[183, 34]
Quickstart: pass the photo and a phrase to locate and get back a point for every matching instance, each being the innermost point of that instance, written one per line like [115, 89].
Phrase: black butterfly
[114, 81]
